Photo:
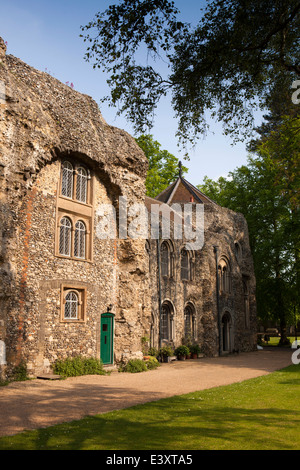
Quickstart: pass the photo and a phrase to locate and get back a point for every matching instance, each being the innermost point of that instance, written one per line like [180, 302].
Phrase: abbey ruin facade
[65, 289]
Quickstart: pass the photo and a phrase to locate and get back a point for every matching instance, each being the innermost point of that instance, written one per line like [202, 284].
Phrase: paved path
[39, 403]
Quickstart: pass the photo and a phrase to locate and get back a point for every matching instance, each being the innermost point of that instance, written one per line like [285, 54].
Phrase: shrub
[195, 349]
[166, 351]
[19, 373]
[182, 351]
[153, 352]
[72, 367]
[134, 366]
[152, 363]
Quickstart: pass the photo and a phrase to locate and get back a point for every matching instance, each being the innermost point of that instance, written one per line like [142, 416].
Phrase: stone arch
[227, 327]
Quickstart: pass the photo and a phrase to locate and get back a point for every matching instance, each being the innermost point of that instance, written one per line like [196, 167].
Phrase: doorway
[107, 338]
[226, 333]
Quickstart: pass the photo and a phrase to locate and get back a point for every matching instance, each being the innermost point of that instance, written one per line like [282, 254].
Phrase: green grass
[261, 413]
[274, 341]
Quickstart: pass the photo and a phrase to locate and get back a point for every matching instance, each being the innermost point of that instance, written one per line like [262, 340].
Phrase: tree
[227, 65]
[273, 231]
[163, 166]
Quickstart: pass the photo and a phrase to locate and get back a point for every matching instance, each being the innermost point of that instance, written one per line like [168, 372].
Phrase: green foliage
[266, 191]
[135, 365]
[19, 372]
[76, 366]
[166, 351]
[239, 53]
[153, 352]
[163, 166]
[182, 351]
[195, 349]
[152, 363]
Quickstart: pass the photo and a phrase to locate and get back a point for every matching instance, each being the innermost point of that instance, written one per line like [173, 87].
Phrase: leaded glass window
[81, 185]
[71, 306]
[67, 179]
[185, 271]
[79, 240]
[65, 236]
[164, 259]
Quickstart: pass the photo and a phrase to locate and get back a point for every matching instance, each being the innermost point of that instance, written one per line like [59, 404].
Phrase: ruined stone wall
[43, 121]
[222, 228]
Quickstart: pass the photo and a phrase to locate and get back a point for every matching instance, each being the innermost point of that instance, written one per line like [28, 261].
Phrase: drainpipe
[159, 289]
[218, 298]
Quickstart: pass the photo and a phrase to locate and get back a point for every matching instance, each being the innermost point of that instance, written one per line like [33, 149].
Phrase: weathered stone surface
[42, 123]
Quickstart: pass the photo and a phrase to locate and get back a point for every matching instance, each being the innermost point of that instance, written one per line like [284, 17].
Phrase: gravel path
[41, 403]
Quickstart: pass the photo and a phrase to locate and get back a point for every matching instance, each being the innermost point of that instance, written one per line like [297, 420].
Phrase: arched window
[185, 269]
[224, 276]
[79, 240]
[165, 259]
[67, 179]
[189, 322]
[166, 322]
[81, 185]
[71, 306]
[65, 236]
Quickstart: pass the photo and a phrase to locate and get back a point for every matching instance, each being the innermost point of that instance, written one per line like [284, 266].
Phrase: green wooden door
[106, 338]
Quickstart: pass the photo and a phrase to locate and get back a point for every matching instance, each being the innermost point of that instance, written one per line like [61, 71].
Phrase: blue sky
[46, 36]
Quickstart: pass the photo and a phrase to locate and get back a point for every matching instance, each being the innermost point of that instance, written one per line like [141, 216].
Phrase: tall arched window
[166, 322]
[79, 240]
[71, 306]
[67, 179]
[81, 185]
[189, 322]
[165, 259]
[65, 236]
[224, 276]
[185, 271]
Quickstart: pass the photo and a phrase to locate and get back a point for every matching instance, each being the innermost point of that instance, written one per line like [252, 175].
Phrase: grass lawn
[261, 413]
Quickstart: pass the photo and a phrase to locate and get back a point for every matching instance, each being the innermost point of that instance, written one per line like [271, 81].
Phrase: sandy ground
[40, 403]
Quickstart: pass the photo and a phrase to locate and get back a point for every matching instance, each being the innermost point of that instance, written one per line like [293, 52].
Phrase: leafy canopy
[226, 66]
[163, 166]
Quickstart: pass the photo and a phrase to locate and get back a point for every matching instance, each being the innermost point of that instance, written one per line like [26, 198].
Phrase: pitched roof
[169, 194]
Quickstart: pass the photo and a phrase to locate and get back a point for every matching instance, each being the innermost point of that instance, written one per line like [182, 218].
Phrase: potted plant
[165, 353]
[181, 352]
[195, 350]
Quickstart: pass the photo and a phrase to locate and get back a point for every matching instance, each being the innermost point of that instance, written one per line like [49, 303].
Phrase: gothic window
[166, 256]
[164, 250]
[71, 306]
[185, 271]
[224, 276]
[65, 231]
[189, 322]
[166, 322]
[74, 222]
[79, 240]
[81, 185]
[67, 179]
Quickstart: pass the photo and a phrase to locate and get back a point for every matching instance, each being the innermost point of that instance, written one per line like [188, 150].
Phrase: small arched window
[65, 236]
[79, 240]
[71, 306]
[67, 179]
[81, 185]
